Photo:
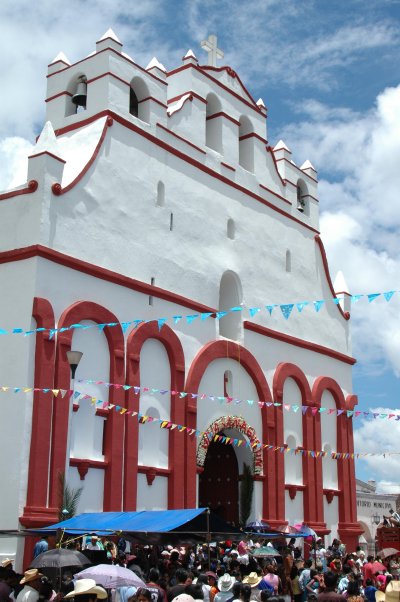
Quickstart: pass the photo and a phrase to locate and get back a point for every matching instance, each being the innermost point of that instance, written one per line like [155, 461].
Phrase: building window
[288, 261]
[160, 194]
[228, 384]
[230, 229]
[151, 298]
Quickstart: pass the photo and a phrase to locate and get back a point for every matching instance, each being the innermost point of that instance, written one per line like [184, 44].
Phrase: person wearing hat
[41, 546]
[86, 590]
[392, 593]
[31, 582]
[253, 580]
[94, 544]
[7, 563]
[225, 584]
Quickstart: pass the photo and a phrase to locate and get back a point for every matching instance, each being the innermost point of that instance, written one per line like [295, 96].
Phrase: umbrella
[386, 552]
[305, 530]
[110, 576]
[265, 551]
[59, 558]
[376, 567]
[257, 525]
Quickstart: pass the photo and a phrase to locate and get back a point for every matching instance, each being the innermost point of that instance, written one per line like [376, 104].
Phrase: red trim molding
[114, 425]
[83, 465]
[102, 273]
[57, 188]
[36, 511]
[32, 186]
[272, 425]
[119, 55]
[193, 94]
[275, 194]
[320, 244]
[181, 138]
[188, 159]
[253, 135]
[222, 114]
[176, 444]
[286, 338]
[228, 166]
[152, 472]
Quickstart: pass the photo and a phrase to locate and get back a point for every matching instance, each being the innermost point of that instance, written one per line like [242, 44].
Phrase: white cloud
[372, 436]
[360, 204]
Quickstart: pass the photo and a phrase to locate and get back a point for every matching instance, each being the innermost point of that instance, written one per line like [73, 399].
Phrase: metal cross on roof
[214, 53]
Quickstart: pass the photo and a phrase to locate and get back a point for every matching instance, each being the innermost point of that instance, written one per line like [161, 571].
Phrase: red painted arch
[173, 347]
[312, 467]
[272, 426]
[346, 470]
[114, 425]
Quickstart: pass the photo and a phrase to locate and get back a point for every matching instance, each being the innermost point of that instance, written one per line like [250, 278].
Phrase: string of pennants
[180, 428]
[227, 399]
[286, 310]
[304, 409]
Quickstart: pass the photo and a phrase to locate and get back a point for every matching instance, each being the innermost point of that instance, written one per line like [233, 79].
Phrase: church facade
[154, 205]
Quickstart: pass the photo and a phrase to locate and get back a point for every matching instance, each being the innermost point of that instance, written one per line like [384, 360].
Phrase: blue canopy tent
[154, 526]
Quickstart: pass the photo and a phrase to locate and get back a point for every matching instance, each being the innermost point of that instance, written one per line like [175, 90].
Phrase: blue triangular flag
[161, 322]
[270, 308]
[190, 319]
[205, 315]
[286, 310]
[220, 314]
[318, 304]
[337, 300]
[176, 319]
[253, 311]
[125, 326]
[373, 296]
[236, 308]
[388, 295]
[355, 298]
[300, 306]
[17, 330]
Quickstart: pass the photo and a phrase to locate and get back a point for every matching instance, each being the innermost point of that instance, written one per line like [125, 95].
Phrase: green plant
[68, 498]
[246, 494]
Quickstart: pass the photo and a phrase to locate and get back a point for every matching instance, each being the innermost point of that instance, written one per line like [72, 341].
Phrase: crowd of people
[227, 572]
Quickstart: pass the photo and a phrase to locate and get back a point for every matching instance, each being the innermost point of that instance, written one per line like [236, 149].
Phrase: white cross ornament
[214, 53]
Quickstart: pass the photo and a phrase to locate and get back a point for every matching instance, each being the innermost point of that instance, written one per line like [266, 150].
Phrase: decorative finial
[214, 53]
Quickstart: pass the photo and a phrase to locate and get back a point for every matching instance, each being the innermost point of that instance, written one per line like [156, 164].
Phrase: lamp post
[73, 357]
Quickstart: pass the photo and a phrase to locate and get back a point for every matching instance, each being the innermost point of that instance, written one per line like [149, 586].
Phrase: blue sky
[329, 73]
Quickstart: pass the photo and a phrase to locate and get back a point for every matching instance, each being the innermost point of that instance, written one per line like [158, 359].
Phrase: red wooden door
[219, 482]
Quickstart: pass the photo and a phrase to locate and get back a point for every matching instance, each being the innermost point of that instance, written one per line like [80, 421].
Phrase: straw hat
[225, 583]
[6, 562]
[87, 586]
[392, 593]
[253, 579]
[183, 598]
[30, 575]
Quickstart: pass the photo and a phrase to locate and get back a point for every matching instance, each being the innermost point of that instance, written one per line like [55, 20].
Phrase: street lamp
[73, 357]
[376, 519]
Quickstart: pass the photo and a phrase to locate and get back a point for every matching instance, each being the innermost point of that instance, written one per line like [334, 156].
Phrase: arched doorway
[219, 482]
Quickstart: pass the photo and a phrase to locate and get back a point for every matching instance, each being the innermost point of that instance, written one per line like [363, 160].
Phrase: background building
[371, 507]
[154, 203]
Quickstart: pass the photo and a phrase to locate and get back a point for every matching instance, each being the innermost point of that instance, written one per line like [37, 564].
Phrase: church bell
[79, 98]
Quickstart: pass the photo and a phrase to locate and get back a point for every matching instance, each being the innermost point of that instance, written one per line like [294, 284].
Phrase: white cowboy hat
[30, 575]
[392, 593]
[87, 586]
[253, 579]
[225, 583]
[6, 562]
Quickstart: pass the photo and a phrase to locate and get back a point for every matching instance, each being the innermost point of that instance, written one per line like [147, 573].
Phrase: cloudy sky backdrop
[329, 73]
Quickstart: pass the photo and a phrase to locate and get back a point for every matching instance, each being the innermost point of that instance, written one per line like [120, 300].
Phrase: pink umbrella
[110, 576]
[376, 567]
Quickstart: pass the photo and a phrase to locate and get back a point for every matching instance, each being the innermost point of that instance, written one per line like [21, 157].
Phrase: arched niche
[139, 99]
[302, 197]
[213, 123]
[160, 202]
[246, 143]
[230, 295]
[230, 229]
[76, 85]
